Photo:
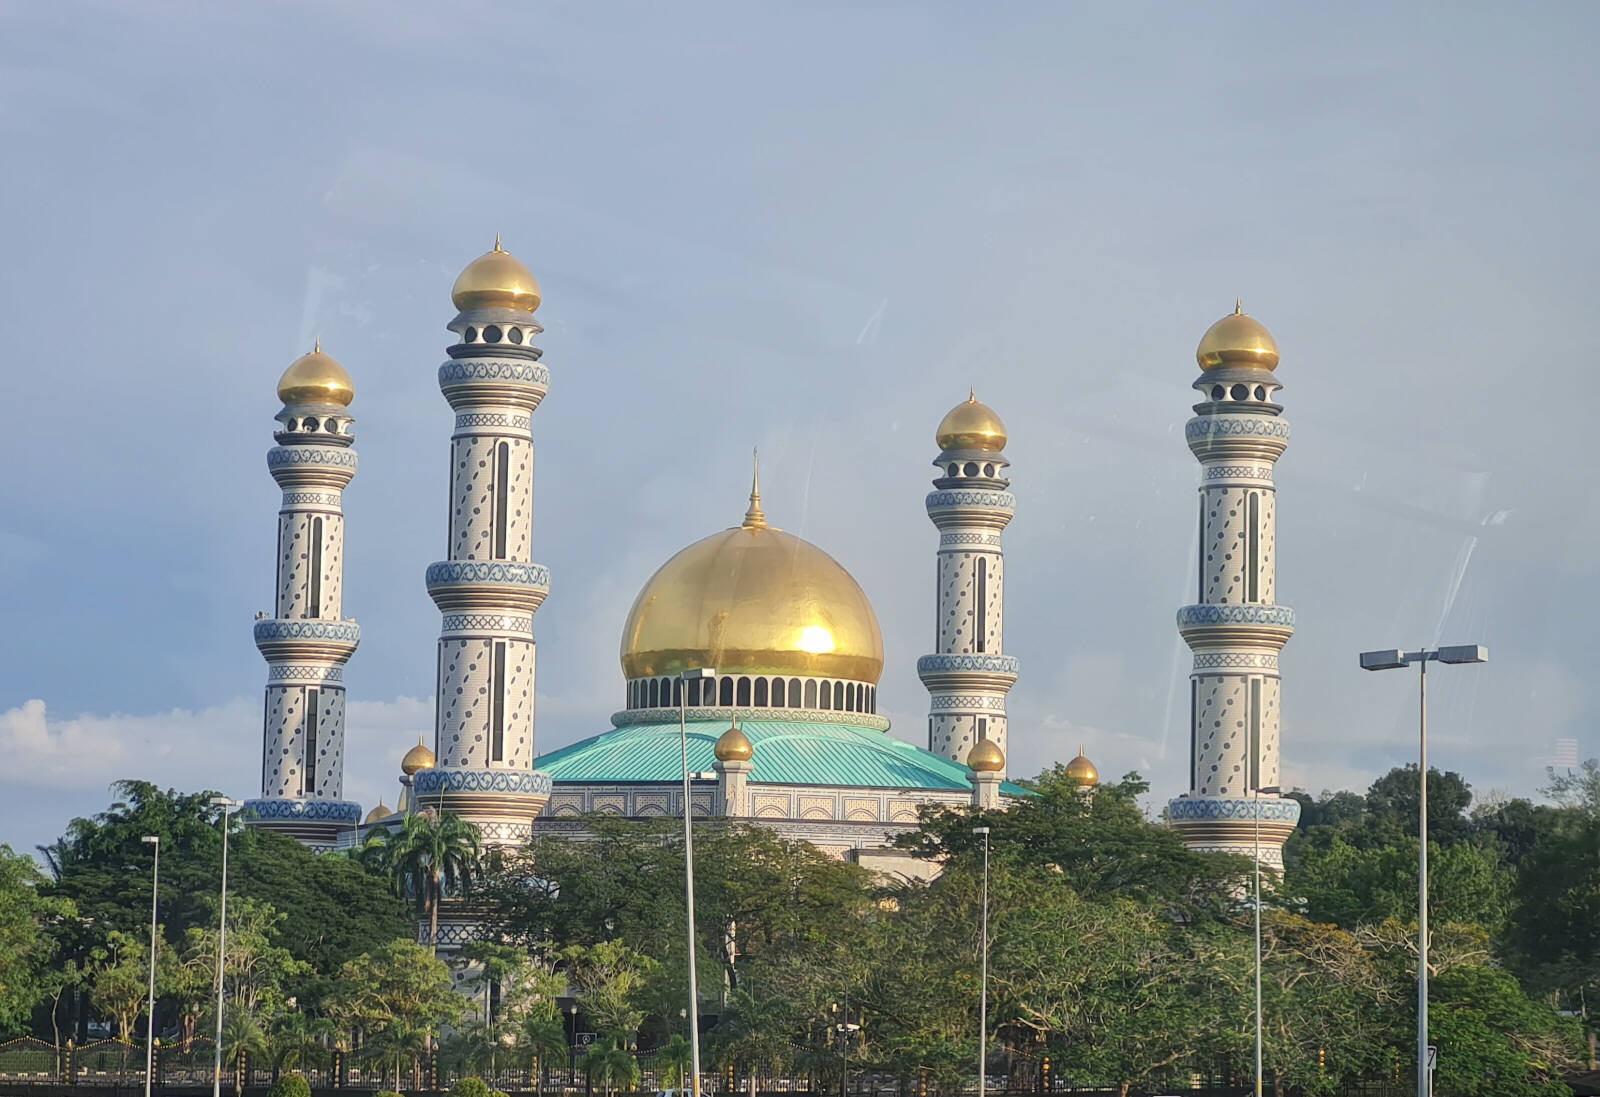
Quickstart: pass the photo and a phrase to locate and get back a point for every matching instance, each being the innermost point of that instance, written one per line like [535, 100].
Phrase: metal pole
[1257, 795]
[688, 883]
[222, 949]
[150, 1024]
[1424, 1082]
[983, 984]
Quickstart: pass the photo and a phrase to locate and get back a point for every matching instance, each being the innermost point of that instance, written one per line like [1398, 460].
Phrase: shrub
[291, 1085]
[386, 1093]
[470, 1087]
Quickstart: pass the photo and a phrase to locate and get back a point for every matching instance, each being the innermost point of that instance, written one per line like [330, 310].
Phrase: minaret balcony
[1236, 437]
[283, 639]
[1211, 625]
[517, 382]
[966, 671]
[487, 585]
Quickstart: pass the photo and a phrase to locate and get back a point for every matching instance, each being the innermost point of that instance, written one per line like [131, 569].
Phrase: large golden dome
[757, 599]
[496, 280]
[316, 378]
[971, 425]
[1238, 339]
[1082, 771]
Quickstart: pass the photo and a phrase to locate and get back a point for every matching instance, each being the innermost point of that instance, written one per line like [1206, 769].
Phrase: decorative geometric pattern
[312, 498]
[505, 782]
[1001, 499]
[319, 811]
[311, 455]
[462, 572]
[533, 373]
[325, 675]
[955, 702]
[1272, 809]
[962, 538]
[460, 622]
[1279, 616]
[339, 631]
[492, 419]
[1209, 660]
[1226, 426]
[985, 664]
[1238, 472]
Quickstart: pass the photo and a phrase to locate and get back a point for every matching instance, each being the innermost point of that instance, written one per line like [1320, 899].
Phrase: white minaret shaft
[969, 675]
[488, 588]
[1235, 628]
[307, 640]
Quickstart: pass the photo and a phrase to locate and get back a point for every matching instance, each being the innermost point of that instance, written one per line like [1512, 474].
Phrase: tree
[610, 1062]
[432, 855]
[1579, 791]
[395, 996]
[242, 1035]
[27, 948]
[675, 1058]
[120, 984]
[609, 978]
[544, 1038]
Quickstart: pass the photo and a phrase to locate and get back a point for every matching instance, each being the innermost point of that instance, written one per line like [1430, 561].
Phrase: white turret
[1235, 628]
[307, 641]
[968, 676]
[488, 588]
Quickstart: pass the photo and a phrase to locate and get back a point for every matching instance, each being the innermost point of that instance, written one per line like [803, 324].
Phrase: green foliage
[27, 948]
[429, 857]
[470, 1087]
[291, 1085]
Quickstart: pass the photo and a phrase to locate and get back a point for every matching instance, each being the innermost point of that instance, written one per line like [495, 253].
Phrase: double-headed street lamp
[696, 676]
[1394, 659]
[226, 805]
[983, 980]
[153, 841]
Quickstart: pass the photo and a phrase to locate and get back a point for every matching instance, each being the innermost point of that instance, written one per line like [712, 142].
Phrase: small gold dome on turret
[733, 746]
[496, 280]
[971, 425]
[377, 815]
[316, 378]
[1081, 770]
[417, 758]
[986, 757]
[1238, 339]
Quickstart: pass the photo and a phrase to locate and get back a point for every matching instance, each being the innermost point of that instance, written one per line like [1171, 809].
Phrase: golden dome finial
[733, 745]
[1081, 771]
[315, 378]
[754, 518]
[496, 280]
[971, 425]
[316, 345]
[1238, 339]
[986, 757]
[417, 758]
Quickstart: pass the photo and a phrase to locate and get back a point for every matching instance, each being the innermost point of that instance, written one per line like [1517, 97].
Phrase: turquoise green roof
[786, 753]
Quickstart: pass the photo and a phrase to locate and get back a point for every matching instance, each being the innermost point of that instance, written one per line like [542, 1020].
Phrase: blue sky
[807, 228]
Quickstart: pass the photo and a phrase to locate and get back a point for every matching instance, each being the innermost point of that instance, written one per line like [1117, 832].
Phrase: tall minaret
[307, 641]
[1235, 628]
[968, 678]
[488, 588]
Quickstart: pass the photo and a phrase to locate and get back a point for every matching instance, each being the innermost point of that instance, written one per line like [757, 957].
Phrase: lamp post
[222, 937]
[150, 1023]
[1256, 793]
[983, 979]
[1394, 659]
[697, 676]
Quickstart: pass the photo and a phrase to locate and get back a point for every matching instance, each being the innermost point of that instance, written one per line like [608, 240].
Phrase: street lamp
[153, 841]
[222, 936]
[983, 980]
[1256, 793]
[1394, 659]
[697, 676]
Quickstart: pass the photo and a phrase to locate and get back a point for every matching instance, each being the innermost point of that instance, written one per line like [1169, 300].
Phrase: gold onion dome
[971, 425]
[1082, 771]
[733, 746]
[1238, 339]
[496, 280]
[986, 757]
[417, 758]
[316, 378]
[377, 815]
[753, 599]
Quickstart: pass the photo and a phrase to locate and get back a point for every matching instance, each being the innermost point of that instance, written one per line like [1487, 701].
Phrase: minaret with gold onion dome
[1235, 628]
[488, 588]
[307, 640]
[969, 674]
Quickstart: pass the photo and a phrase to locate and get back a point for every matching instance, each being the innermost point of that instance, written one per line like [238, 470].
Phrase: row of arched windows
[754, 692]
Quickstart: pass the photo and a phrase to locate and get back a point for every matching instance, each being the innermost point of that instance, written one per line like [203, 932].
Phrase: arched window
[497, 705]
[1253, 557]
[314, 596]
[794, 693]
[872, 698]
[310, 768]
[850, 697]
[744, 692]
[761, 693]
[691, 690]
[811, 693]
[777, 693]
[838, 695]
[725, 692]
[502, 497]
[983, 603]
[825, 696]
[655, 692]
[677, 691]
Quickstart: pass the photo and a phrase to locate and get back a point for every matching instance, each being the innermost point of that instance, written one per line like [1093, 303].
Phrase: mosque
[750, 659]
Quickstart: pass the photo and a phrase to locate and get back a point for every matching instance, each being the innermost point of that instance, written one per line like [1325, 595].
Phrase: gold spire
[497, 246]
[316, 345]
[754, 518]
[1238, 306]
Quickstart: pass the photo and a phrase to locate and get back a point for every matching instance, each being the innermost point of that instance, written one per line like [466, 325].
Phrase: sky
[808, 228]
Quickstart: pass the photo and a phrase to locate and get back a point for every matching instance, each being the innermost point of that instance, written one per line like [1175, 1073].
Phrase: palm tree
[544, 1038]
[610, 1062]
[241, 1036]
[431, 855]
[675, 1058]
[393, 1043]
